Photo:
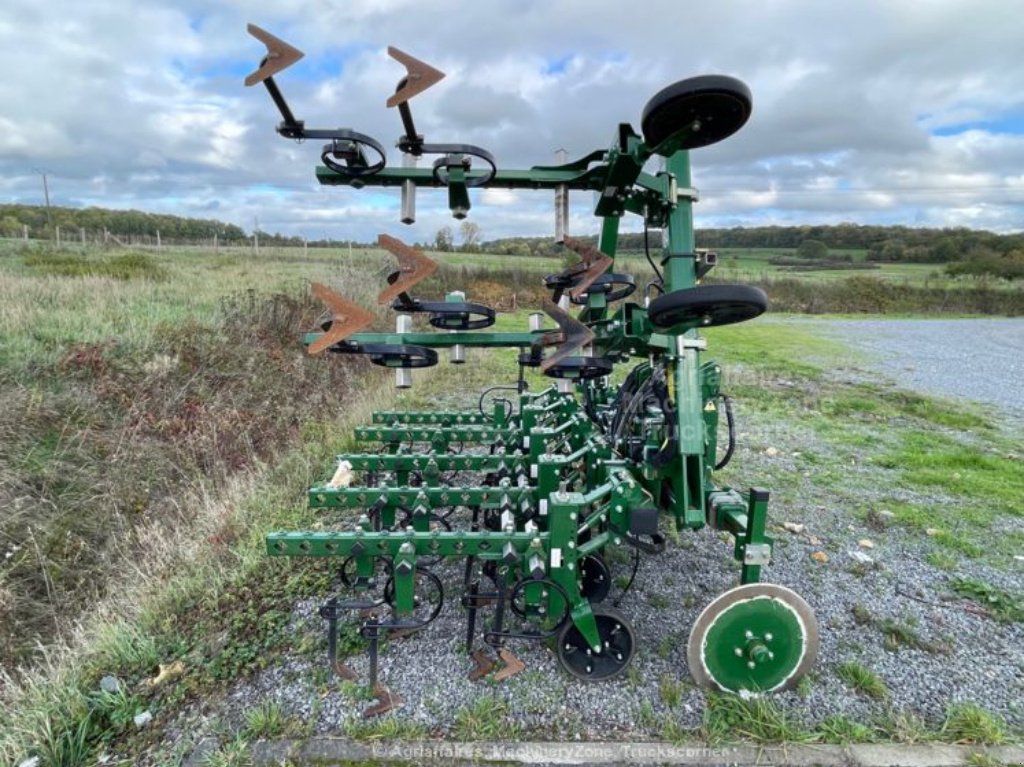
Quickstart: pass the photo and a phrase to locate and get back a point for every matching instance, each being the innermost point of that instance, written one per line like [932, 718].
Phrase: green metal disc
[754, 639]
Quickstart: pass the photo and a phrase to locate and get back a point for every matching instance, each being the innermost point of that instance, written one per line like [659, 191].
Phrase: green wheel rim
[757, 638]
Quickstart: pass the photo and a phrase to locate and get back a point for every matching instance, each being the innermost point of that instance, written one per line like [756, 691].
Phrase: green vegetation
[862, 679]
[841, 730]
[969, 723]
[486, 718]
[731, 718]
[1002, 605]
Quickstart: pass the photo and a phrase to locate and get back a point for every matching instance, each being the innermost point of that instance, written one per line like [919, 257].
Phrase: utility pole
[46, 194]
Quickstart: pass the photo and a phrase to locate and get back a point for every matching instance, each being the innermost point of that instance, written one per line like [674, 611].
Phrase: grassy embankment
[90, 368]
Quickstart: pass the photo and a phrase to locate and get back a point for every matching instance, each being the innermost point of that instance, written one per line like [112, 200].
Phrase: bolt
[751, 664]
[759, 653]
[768, 637]
[748, 634]
[738, 651]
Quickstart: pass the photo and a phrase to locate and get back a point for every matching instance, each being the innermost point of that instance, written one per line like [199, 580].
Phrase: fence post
[56, 230]
[81, 232]
[24, 232]
[158, 239]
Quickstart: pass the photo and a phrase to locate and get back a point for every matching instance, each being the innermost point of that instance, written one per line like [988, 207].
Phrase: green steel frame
[557, 487]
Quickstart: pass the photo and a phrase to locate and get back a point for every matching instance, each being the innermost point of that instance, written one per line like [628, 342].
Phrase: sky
[903, 112]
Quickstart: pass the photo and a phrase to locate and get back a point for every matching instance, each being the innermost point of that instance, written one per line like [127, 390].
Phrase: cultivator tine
[280, 55]
[347, 318]
[483, 664]
[594, 263]
[574, 336]
[512, 665]
[414, 267]
[419, 77]
[330, 612]
[386, 701]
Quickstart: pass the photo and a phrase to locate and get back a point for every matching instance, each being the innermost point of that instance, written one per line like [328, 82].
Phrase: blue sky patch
[1012, 124]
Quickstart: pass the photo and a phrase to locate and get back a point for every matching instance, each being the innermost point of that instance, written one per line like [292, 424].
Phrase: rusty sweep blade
[347, 318]
[420, 77]
[280, 55]
[414, 267]
[594, 264]
[575, 335]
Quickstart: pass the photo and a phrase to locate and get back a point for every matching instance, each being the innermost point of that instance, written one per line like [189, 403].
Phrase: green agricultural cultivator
[531, 494]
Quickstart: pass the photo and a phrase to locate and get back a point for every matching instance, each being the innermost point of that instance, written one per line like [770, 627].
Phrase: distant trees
[812, 250]
[120, 222]
[985, 261]
[470, 233]
[444, 239]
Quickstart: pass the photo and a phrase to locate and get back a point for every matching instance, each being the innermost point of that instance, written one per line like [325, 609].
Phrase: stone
[861, 557]
[932, 531]
[143, 719]
[110, 684]
[771, 452]
[866, 543]
[794, 527]
[820, 557]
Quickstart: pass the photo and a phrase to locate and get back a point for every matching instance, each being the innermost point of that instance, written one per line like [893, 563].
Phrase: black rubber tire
[708, 109]
[614, 630]
[708, 306]
[579, 368]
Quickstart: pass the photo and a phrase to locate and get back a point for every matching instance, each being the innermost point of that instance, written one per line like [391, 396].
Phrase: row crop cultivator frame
[561, 475]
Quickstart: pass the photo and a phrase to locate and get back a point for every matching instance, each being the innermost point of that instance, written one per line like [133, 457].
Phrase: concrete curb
[327, 751]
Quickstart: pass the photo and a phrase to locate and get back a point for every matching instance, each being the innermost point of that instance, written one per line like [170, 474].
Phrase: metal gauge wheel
[755, 639]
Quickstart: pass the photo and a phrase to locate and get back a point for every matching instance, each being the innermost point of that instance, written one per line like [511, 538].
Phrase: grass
[731, 718]
[862, 679]
[486, 718]
[841, 730]
[969, 723]
[1002, 605]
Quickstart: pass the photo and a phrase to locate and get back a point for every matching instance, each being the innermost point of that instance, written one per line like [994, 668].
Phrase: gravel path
[979, 359]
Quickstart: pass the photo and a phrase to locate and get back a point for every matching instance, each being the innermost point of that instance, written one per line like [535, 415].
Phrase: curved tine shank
[596, 263]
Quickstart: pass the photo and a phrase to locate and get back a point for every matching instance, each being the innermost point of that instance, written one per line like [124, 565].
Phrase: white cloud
[140, 104]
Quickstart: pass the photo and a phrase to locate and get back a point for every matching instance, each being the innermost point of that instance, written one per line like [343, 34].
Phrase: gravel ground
[971, 358]
[971, 658]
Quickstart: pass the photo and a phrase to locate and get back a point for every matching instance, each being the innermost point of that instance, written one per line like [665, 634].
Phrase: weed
[904, 726]
[645, 718]
[391, 727]
[671, 690]
[902, 633]
[841, 730]
[674, 732]
[234, 753]
[659, 601]
[862, 615]
[804, 687]
[487, 718]
[266, 721]
[862, 679]
[969, 723]
[1001, 605]
[729, 717]
[942, 560]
